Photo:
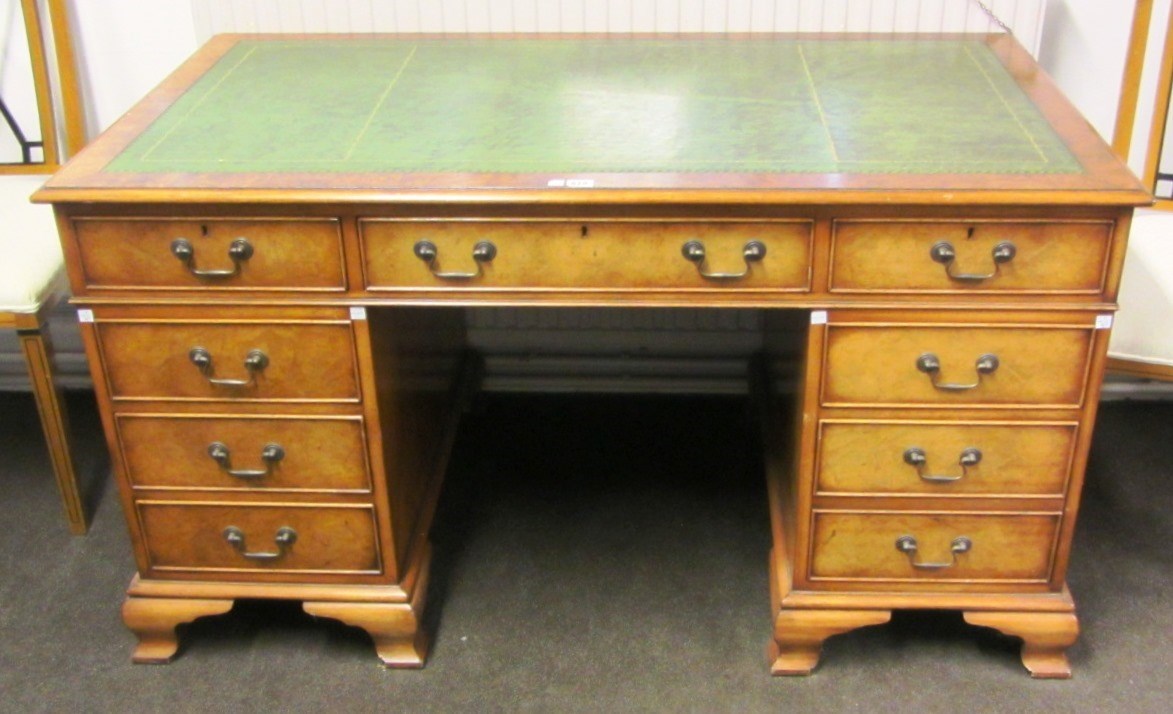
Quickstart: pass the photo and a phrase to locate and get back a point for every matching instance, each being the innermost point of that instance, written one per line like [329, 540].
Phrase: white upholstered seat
[30, 254]
[1143, 333]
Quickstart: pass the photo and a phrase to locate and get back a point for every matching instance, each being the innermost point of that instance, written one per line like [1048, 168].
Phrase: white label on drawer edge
[1103, 322]
[358, 313]
[818, 317]
[571, 183]
[85, 315]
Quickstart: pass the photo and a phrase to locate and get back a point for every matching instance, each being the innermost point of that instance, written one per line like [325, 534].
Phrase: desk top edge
[1104, 181]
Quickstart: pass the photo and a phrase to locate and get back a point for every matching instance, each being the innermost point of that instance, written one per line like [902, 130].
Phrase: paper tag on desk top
[1103, 322]
[84, 315]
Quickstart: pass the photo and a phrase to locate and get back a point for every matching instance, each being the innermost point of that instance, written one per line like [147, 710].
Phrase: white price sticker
[571, 183]
[85, 315]
[1103, 322]
[818, 317]
[358, 313]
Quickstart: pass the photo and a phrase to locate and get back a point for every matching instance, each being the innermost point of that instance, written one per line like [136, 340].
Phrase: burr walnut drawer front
[994, 256]
[910, 547]
[229, 361]
[955, 365]
[617, 255]
[211, 254]
[944, 458]
[301, 538]
[234, 453]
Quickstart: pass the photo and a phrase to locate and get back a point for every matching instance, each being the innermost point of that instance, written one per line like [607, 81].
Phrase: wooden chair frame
[32, 327]
[35, 343]
[1122, 136]
[63, 138]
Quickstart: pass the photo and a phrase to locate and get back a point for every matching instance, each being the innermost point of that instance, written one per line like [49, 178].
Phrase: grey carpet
[592, 554]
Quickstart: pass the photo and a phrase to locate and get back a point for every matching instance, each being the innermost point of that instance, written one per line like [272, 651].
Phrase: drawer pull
[239, 251]
[943, 252]
[255, 361]
[916, 457]
[482, 252]
[907, 545]
[284, 539]
[271, 454]
[930, 364]
[694, 251]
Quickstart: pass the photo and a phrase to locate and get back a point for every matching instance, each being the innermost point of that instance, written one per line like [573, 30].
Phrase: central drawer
[229, 361]
[224, 453]
[624, 255]
[253, 537]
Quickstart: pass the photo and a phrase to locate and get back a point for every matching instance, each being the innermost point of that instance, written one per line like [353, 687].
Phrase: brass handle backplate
[907, 544]
[285, 538]
[694, 251]
[930, 364]
[917, 458]
[271, 454]
[239, 251]
[944, 253]
[483, 252]
[254, 362]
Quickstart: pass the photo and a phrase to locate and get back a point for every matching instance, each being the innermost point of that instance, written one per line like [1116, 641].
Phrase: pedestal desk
[272, 254]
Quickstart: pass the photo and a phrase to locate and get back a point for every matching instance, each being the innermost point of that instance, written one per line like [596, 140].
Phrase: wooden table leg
[38, 355]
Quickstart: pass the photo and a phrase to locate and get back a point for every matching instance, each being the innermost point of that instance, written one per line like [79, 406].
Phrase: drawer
[908, 547]
[236, 254]
[932, 256]
[893, 365]
[944, 458]
[619, 255]
[250, 537]
[229, 361]
[243, 453]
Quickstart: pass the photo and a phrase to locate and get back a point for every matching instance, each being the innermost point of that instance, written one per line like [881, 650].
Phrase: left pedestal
[278, 452]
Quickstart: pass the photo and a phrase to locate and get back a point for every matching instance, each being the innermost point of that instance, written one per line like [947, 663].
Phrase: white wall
[126, 47]
[612, 16]
[1083, 48]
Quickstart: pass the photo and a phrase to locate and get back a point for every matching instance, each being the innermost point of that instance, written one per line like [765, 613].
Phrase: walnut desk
[272, 252]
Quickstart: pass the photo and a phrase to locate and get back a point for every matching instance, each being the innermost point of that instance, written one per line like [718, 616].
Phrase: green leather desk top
[387, 115]
[520, 106]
